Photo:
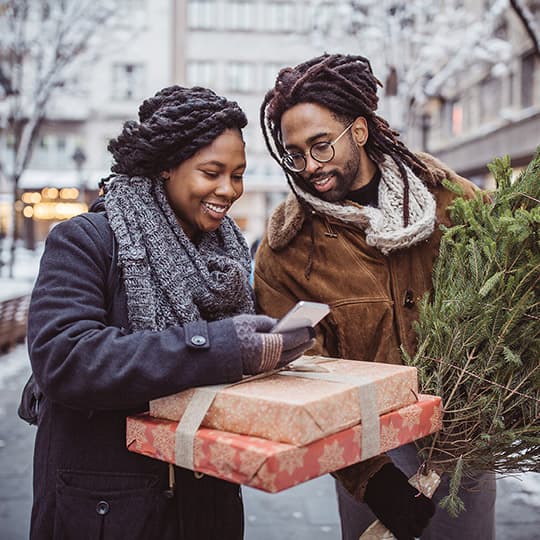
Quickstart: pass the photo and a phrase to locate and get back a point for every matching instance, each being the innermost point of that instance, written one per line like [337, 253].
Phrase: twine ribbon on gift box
[313, 368]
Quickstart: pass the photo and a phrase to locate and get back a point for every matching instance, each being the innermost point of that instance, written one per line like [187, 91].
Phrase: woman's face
[202, 188]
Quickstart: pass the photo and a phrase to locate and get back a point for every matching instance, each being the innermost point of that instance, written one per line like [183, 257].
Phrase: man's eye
[238, 176]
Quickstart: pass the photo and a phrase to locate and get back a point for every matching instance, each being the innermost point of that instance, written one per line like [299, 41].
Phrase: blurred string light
[51, 204]
[58, 211]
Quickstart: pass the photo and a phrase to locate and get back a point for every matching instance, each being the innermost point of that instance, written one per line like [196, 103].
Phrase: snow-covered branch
[529, 22]
[425, 44]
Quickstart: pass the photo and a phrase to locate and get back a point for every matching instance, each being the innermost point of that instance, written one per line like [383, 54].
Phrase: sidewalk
[305, 512]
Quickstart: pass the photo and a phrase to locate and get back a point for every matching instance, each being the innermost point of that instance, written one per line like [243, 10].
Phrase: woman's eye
[238, 177]
[211, 174]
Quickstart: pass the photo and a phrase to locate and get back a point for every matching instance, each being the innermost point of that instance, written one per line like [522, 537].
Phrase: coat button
[102, 508]
[408, 301]
[198, 341]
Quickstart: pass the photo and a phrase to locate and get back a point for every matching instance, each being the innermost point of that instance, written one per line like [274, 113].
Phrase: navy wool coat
[94, 373]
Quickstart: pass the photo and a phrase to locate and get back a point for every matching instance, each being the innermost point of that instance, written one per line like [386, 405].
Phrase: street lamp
[79, 157]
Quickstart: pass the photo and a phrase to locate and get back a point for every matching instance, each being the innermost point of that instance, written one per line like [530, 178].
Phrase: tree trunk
[15, 227]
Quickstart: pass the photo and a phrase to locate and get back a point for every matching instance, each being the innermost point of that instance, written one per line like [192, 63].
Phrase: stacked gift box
[279, 430]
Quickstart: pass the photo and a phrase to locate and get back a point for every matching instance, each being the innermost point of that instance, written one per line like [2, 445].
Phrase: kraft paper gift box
[323, 396]
[273, 466]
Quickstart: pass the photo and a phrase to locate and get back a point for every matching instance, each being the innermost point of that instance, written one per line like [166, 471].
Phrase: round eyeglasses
[323, 152]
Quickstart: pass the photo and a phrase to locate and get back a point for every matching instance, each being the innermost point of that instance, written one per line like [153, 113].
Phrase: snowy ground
[25, 270]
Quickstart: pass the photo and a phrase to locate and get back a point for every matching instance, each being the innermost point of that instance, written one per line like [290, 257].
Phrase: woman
[143, 297]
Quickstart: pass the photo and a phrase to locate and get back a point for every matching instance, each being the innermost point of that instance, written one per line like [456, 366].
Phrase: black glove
[399, 506]
[261, 351]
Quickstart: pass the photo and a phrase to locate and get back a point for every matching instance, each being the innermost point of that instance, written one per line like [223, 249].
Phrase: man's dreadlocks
[346, 86]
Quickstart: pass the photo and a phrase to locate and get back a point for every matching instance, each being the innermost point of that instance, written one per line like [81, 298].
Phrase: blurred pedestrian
[146, 296]
[360, 233]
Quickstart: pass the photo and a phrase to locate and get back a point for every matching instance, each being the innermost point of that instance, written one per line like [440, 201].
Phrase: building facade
[491, 114]
[237, 47]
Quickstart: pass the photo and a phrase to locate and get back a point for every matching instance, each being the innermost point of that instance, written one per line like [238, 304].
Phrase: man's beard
[343, 180]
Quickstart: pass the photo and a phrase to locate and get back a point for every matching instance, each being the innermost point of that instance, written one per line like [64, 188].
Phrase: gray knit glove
[261, 351]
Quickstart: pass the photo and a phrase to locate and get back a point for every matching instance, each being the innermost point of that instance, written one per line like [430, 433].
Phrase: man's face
[308, 123]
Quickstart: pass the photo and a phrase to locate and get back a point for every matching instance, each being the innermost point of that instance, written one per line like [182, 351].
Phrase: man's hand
[402, 509]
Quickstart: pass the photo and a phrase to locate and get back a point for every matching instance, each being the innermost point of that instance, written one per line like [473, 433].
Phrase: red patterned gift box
[292, 407]
[273, 466]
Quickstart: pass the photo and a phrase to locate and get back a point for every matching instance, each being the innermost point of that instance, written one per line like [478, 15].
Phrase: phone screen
[302, 314]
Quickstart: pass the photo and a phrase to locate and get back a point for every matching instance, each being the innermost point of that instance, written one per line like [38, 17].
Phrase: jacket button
[198, 475]
[102, 508]
[408, 302]
[198, 340]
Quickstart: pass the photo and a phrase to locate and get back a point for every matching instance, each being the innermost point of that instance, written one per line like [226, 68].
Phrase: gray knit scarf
[170, 280]
[383, 226]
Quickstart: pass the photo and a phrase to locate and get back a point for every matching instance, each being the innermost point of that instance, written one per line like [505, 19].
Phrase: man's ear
[360, 131]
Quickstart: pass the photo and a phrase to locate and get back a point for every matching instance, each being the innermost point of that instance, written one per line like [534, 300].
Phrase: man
[360, 232]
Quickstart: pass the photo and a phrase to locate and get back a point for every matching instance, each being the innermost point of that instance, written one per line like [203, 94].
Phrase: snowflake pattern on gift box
[222, 456]
[137, 434]
[291, 461]
[249, 461]
[410, 416]
[164, 442]
[198, 451]
[436, 419]
[390, 436]
[332, 458]
[266, 479]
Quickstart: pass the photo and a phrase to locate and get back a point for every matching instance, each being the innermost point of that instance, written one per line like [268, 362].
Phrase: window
[527, 79]
[279, 17]
[490, 99]
[457, 118]
[61, 144]
[201, 14]
[44, 142]
[239, 15]
[131, 5]
[202, 73]
[240, 76]
[128, 81]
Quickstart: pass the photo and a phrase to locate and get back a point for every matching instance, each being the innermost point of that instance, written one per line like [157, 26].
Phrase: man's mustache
[320, 176]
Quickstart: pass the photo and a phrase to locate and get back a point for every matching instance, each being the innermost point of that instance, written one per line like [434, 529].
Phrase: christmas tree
[479, 333]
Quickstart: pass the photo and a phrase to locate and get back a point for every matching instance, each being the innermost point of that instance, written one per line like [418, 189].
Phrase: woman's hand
[264, 351]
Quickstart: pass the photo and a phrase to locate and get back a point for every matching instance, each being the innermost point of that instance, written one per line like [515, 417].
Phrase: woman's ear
[360, 131]
[166, 175]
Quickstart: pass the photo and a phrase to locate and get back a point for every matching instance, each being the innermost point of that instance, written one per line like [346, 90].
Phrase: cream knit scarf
[383, 226]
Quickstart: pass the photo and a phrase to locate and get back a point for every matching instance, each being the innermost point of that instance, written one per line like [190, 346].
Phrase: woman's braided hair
[173, 125]
[345, 85]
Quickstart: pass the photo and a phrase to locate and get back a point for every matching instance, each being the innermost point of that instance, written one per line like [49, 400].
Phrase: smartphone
[303, 314]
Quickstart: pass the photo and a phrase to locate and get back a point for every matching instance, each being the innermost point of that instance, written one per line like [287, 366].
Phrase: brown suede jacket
[373, 297]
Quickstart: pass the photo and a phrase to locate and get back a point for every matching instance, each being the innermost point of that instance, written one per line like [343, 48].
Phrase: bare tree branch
[529, 23]
[41, 46]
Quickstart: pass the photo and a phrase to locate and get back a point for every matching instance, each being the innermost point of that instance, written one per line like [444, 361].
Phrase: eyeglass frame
[303, 155]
